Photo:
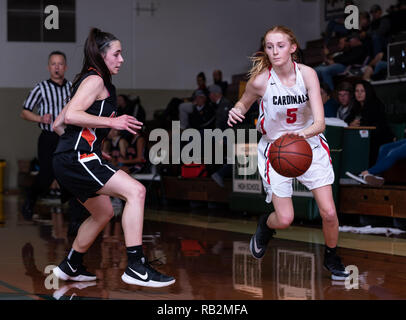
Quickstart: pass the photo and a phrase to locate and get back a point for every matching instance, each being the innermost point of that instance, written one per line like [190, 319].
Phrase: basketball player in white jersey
[290, 103]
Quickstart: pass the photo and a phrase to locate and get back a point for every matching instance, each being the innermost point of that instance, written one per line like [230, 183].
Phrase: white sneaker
[356, 178]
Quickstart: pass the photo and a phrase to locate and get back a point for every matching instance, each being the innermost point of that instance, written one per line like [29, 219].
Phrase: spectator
[122, 104]
[389, 154]
[218, 80]
[186, 108]
[369, 111]
[377, 69]
[203, 114]
[115, 146]
[330, 104]
[131, 108]
[355, 54]
[346, 101]
[335, 27]
[135, 160]
[223, 106]
[136, 110]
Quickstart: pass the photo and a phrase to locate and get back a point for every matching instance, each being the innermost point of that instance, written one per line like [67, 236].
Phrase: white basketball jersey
[283, 108]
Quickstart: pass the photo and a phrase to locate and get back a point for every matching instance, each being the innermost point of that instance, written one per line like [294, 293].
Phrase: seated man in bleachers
[186, 108]
[389, 154]
[380, 29]
[346, 102]
[357, 53]
[330, 104]
[203, 114]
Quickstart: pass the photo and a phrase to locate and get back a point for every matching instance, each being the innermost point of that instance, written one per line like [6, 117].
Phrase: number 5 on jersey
[291, 115]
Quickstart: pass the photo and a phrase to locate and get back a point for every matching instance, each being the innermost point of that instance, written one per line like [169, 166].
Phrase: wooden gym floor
[205, 251]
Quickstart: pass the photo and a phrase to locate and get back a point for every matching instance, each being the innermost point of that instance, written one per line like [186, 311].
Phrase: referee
[50, 96]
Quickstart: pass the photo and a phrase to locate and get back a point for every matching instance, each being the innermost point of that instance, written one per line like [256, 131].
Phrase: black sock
[330, 251]
[134, 254]
[76, 258]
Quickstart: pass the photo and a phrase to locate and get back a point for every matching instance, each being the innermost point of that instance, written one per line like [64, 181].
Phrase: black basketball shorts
[82, 174]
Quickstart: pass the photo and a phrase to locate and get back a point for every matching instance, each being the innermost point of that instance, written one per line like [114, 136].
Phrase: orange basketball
[290, 155]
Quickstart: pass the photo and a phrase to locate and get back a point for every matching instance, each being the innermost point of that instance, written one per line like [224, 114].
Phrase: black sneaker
[66, 271]
[260, 239]
[143, 274]
[332, 263]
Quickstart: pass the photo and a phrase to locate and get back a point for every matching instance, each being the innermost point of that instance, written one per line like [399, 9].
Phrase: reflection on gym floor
[207, 254]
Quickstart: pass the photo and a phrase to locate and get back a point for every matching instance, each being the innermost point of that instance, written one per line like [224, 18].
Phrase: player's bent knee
[137, 192]
[285, 221]
[329, 215]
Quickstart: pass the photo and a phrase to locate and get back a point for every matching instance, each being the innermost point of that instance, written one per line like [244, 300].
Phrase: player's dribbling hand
[126, 122]
[296, 133]
[234, 115]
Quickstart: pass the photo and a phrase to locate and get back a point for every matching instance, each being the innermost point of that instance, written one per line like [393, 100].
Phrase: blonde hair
[260, 60]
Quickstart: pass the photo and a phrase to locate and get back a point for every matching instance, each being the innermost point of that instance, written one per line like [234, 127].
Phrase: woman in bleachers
[370, 111]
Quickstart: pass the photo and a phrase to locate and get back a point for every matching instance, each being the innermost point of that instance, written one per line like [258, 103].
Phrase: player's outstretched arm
[254, 90]
[91, 89]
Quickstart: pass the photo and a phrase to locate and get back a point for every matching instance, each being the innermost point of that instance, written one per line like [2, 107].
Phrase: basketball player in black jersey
[80, 168]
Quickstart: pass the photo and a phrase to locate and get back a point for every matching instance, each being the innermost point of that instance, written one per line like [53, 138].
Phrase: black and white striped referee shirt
[50, 97]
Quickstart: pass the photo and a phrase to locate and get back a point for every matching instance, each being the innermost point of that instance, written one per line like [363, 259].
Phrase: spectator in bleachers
[389, 154]
[114, 145]
[203, 114]
[364, 22]
[357, 53]
[222, 106]
[218, 80]
[345, 95]
[186, 108]
[370, 111]
[335, 27]
[330, 104]
[123, 104]
[377, 68]
[135, 158]
[380, 29]
[131, 107]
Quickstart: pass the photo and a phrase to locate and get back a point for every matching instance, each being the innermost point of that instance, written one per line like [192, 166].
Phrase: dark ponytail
[96, 44]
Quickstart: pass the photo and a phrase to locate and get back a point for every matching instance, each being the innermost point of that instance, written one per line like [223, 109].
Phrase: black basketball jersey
[87, 140]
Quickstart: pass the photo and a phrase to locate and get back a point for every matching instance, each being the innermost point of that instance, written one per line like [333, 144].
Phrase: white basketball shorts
[319, 174]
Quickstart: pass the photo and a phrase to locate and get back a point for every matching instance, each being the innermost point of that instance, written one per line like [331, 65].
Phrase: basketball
[290, 155]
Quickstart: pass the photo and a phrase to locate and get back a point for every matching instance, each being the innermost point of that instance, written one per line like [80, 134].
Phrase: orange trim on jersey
[88, 136]
[326, 148]
[86, 155]
[91, 68]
